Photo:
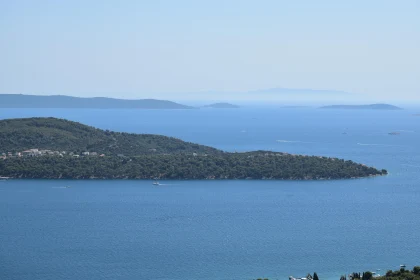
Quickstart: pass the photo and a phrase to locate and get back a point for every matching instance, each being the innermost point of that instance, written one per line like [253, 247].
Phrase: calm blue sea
[224, 229]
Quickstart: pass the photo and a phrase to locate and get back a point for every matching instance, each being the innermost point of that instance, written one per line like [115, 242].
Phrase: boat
[156, 183]
[402, 265]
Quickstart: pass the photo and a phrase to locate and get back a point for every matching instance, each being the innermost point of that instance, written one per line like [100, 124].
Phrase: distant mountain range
[221, 105]
[62, 101]
[364, 107]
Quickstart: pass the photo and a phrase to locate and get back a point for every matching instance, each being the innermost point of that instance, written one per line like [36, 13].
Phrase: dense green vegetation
[63, 135]
[256, 165]
[150, 156]
[402, 274]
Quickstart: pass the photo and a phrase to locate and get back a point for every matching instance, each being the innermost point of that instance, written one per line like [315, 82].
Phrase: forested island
[364, 107]
[62, 101]
[56, 148]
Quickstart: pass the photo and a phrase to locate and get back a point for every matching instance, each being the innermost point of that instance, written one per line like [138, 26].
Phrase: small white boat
[402, 265]
[156, 183]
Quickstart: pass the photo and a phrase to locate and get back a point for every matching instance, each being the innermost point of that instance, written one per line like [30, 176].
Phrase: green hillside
[142, 156]
[256, 165]
[63, 135]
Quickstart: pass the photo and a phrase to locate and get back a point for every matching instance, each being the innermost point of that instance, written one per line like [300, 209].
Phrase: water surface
[223, 229]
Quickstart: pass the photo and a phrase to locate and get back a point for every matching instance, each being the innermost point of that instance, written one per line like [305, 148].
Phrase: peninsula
[56, 148]
[62, 101]
[364, 107]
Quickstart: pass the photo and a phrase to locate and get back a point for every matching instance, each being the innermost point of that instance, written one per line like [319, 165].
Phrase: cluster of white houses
[38, 152]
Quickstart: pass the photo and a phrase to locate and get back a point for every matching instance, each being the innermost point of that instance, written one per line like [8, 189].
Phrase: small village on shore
[43, 152]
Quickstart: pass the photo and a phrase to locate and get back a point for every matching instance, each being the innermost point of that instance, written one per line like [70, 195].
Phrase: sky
[192, 49]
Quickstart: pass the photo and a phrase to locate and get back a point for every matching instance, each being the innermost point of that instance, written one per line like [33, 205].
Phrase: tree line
[254, 165]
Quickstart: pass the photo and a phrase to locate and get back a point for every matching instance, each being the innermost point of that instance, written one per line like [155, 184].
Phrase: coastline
[94, 178]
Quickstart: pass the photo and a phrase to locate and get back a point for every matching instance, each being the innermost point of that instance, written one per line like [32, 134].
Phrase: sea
[224, 229]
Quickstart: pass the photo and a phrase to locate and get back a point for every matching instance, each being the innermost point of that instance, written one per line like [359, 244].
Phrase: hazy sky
[138, 48]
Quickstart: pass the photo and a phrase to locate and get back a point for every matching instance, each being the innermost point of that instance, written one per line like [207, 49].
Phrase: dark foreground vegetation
[401, 274]
[137, 156]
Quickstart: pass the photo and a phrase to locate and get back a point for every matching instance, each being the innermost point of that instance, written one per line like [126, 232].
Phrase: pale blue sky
[138, 49]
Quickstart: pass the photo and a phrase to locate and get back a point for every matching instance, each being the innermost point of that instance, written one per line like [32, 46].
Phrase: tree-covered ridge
[58, 134]
[145, 156]
[255, 165]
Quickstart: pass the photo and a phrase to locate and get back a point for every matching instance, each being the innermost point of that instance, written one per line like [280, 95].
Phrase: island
[61, 149]
[62, 101]
[363, 107]
[221, 105]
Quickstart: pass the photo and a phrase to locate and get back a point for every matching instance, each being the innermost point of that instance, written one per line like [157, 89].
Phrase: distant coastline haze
[212, 50]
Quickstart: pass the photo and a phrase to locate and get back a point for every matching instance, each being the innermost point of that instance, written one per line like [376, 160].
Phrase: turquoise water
[224, 229]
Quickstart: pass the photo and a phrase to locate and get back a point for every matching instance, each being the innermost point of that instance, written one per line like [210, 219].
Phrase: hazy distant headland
[221, 105]
[277, 94]
[364, 107]
[62, 101]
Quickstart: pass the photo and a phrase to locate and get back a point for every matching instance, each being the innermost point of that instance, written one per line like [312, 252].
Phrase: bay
[223, 229]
